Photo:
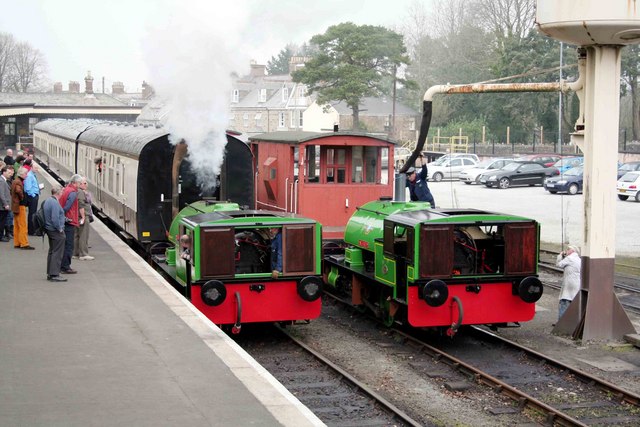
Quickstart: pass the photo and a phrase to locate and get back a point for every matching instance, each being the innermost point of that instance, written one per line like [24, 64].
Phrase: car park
[628, 167]
[629, 186]
[569, 182]
[472, 175]
[566, 163]
[516, 173]
[449, 168]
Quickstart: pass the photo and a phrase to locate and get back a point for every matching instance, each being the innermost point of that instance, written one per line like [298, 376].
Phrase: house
[262, 103]
[19, 112]
[376, 117]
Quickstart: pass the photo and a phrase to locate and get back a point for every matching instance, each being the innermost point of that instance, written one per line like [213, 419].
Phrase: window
[281, 120]
[412, 124]
[301, 95]
[336, 170]
[285, 93]
[312, 159]
[245, 119]
[263, 95]
[364, 162]
[296, 119]
[235, 95]
[258, 118]
[32, 124]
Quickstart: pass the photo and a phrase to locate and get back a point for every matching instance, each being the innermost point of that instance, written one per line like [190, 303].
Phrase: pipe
[561, 86]
[286, 194]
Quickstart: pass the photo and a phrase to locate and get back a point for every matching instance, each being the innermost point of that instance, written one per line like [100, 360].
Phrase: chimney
[88, 82]
[297, 62]
[117, 88]
[57, 87]
[257, 70]
[74, 87]
[147, 90]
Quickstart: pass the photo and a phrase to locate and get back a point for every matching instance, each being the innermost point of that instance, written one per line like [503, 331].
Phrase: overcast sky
[121, 40]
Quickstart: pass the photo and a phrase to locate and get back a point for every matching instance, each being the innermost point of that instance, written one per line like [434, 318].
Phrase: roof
[297, 137]
[117, 136]
[375, 107]
[60, 99]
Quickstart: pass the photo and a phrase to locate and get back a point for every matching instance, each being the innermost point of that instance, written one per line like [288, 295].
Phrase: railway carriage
[438, 267]
[139, 180]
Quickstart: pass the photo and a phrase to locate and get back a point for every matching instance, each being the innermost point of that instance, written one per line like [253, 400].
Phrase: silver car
[472, 176]
[449, 168]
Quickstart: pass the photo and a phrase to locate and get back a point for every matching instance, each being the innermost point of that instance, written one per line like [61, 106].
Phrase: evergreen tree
[352, 63]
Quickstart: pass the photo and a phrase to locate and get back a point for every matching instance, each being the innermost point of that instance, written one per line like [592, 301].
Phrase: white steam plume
[191, 53]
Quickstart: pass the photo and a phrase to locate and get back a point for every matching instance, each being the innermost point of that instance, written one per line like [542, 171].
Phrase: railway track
[539, 387]
[331, 393]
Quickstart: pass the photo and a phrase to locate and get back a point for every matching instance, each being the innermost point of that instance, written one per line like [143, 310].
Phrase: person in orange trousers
[19, 209]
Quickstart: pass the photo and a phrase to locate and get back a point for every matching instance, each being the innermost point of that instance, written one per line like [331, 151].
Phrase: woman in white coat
[571, 263]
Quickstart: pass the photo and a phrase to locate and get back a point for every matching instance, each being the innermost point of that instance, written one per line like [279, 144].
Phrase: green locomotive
[222, 256]
[438, 267]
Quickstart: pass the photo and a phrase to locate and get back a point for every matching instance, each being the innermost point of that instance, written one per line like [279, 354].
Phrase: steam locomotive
[438, 268]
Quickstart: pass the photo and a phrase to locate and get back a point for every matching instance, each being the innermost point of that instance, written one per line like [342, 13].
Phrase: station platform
[117, 345]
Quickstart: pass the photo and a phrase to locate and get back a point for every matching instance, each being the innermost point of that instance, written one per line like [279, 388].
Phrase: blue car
[566, 163]
[569, 182]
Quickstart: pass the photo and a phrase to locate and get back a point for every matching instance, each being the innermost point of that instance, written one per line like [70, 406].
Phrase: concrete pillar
[596, 313]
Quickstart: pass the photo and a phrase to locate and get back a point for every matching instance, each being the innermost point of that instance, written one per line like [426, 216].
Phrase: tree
[7, 46]
[280, 65]
[28, 67]
[351, 63]
[629, 83]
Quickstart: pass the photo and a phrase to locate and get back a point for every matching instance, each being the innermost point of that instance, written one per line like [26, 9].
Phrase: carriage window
[312, 158]
[336, 159]
[356, 162]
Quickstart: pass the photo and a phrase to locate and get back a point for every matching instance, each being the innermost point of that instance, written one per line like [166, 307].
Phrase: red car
[545, 159]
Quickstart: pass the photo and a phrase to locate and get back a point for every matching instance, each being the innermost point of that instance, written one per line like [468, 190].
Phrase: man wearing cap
[417, 183]
[570, 262]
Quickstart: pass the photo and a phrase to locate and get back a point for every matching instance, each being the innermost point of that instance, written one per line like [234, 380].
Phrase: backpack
[39, 221]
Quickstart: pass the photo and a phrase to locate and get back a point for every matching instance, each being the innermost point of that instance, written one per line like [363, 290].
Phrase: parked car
[566, 163]
[455, 155]
[629, 186]
[544, 159]
[516, 173]
[568, 182]
[449, 168]
[472, 176]
[628, 167]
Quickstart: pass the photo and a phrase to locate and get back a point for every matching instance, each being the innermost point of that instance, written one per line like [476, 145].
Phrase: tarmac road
[558, 214]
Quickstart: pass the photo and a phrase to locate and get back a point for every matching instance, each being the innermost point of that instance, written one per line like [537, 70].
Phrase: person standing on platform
[32, 191]
[571, 263]
[8, 159]
[69, 202]
[5, 201]
[417, 183]
[19, 208]
[81, 238]
[54, 222]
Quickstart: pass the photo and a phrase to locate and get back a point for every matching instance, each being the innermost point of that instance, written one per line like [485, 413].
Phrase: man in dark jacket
[54, 221]
[417, 183]
[5, 201]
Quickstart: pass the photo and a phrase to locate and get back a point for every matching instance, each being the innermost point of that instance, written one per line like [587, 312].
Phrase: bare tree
[7, 45]
[449, 17]
[505, 18]
[29, 67]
